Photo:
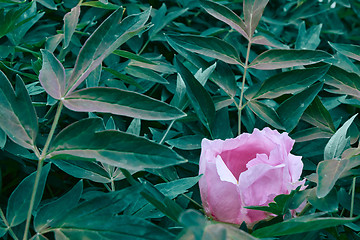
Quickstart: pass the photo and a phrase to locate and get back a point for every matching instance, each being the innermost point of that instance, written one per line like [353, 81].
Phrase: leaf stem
[243, 86]
[352, 197]
[11, 232]
[39, 168]
[167, 131]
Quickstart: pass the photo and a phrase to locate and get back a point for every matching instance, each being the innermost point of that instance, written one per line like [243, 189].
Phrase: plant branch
[11, 232]
[352, 197]
[243, 86]
[39, 168]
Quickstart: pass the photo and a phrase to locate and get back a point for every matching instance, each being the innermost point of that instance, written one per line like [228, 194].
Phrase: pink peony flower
[249, 170]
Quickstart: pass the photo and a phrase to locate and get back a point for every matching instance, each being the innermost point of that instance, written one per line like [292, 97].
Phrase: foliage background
[178, 53]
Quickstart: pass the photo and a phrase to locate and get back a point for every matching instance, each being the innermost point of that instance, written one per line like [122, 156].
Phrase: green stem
[167, 131]
[352, 197]
[39, 168]
[112, 185]
[145, 45]
[11, 232]
[243, 86]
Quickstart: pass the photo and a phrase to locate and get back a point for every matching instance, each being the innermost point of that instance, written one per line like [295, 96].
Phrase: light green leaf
[199, 97]
[71, 20]
[299, 225]
[19, 201]
[349, 50]
[308, 39]
[189, 142]
[120, 102]
[208, 46]
[112, 33]
[52, 75]
[338, 142]
[2, 139]
[287, 82]
[19, 120]
[291, 110]
[87, 140]
[226, 15]
[48, 4]
[284, 58]
[266, 113]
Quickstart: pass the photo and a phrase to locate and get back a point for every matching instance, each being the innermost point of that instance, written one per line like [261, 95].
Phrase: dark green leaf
[199, 97]
[120, 102]
[133, 56]
[2, 138]
[208, 46]
[20, 123]
[87, 140]
[284, 58]
[146, 74]
[98, 4]
[317, 115]
[300, 225]
[291, 110]
[349, 50]
[288, 82]
[50, 213]
[329, 203]
[19, 201]
[226, 15]
[253, 10]
[344, 82]
[109, 36]
[308, 39]
[266, 113]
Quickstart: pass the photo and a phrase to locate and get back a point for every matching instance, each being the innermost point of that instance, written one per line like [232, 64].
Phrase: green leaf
[199, 97]
[288, 82]
[208, 46]
[226, 15]
[338, 142]
[19, 201]
[133, 56]
[329, 203]
[167, 206]
[3, 228]
[71, 20]
[329, 171]
[120, 102]
[52, 75]
[123, 77]
[112, 33]
[291, 110]
[343, 81]
[84, 169]
[308, 39]
[48, 4]
[98, 4]
[87, 140]
[310, 134]
[2, 139]
[189, 142]
[225, 78]
[146, 74]
[160, 20]
[349, 50]
[110, 227]
[266, 113]
[253, 10]
[317, 115]
[284, 58]
[280, 206]
[300, 225]
[20, 123]
[12, 18]
[50, 213]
